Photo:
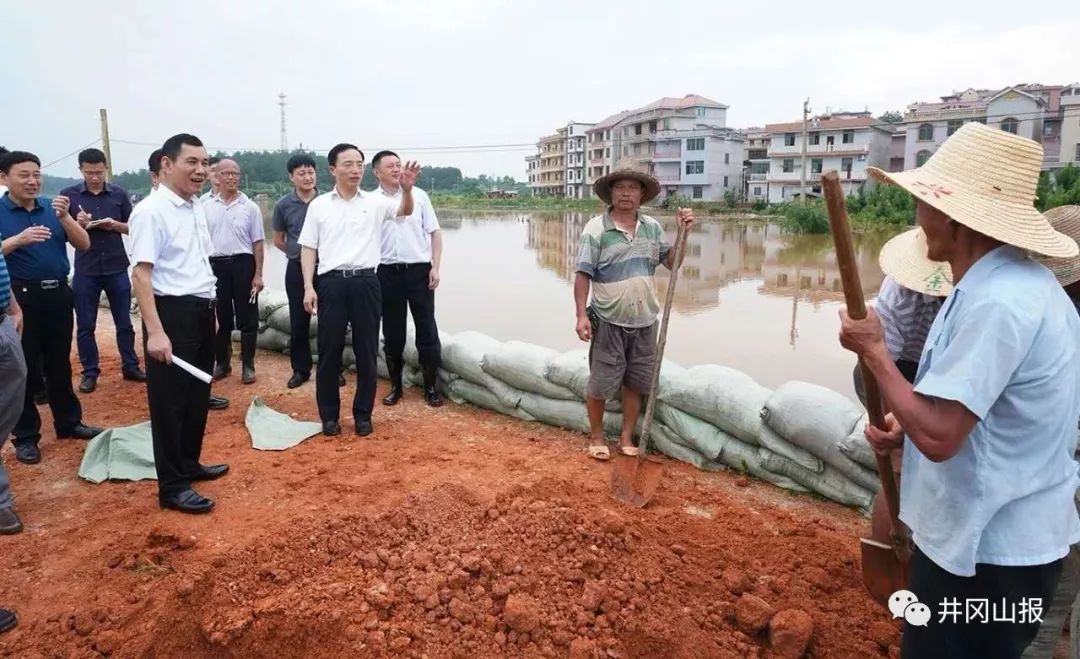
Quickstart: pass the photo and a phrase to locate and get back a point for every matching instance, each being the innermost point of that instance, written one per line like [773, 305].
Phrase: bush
[760, 205]
[1058, 189]
[808, 218]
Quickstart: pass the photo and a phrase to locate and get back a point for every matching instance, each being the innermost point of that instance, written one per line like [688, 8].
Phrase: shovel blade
[635, 481]
[883, 572]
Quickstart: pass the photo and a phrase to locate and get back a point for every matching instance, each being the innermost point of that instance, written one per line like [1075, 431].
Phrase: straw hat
[985, 179]
[1065, 219]
[627, 169]
[904, 259]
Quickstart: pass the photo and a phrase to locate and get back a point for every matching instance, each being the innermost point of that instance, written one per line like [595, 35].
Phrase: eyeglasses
[228, 174]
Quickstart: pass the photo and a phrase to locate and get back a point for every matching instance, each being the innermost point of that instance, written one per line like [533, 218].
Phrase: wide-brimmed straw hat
[985, 179]
[1065, 219]
[904, 259]
[627, 169]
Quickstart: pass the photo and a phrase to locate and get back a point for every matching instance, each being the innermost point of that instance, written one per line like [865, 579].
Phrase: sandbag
[571, 370]
[704, 438]
[731, 401]
[523, 366]
[271, 339]
[857, 448]
[270, 301]
[569, 414]
[470, 392]
[745, 458]
[830, 484]
[279, 320]
[466, 354]
[664, 440]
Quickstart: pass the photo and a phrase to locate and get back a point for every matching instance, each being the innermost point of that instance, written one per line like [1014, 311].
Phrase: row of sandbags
[801, 436]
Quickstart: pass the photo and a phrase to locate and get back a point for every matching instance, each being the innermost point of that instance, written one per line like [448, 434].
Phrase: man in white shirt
[408, 276]
[343, 231]
[236, 255]
[174, 284]
[214, 183]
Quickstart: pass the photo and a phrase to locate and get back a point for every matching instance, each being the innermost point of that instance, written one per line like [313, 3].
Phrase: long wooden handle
[646, 424]
[856, 308]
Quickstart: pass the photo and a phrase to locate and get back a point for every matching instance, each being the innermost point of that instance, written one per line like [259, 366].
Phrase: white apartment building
[756, 153]
[848, 142]
[1070, 125]
[576, 138]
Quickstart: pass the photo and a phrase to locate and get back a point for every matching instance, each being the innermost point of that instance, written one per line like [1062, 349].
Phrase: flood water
[749, 296]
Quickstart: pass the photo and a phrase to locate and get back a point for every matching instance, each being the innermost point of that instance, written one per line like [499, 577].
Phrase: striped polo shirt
[906, 317]
[5, 286]
[621, 267]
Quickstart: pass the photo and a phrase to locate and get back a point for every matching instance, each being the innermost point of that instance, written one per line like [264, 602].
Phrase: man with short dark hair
[408, 275]
[236, 255]
[289, 214]
[35, 235]
[342, 231]
[103, 210]
[174, 283]
[215, 186]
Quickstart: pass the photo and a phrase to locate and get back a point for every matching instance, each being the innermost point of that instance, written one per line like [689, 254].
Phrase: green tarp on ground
[273, 431]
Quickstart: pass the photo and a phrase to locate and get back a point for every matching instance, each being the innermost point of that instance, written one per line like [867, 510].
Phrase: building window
[789, 139]
[849, 137]
[695, 167]
[789, 165]
[926, 133]
[637, 149]
[667, 124]
[845, 165]
[1010, 125]
[757, 190]
[725, 182]
[637, 129]
[652, 126]
[695, 144]
[921, 158]
[697, 192]
[701, 112]
[1077, 153]
[607, 152]
[815, 138]
[815, 165]
[727, 158]
[953, 126]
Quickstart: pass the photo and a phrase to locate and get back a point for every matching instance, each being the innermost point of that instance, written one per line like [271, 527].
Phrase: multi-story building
[1070, 125]
[551, 174]
[1037, 112]
[848, 142]
[756, 153]
[576, 138]
[603, 145]
[532, 168]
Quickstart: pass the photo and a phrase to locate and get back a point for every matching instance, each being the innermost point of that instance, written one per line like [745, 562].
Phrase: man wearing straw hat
[619, 254]
[989, 427]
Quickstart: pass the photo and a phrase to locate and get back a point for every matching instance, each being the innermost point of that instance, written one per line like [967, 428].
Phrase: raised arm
[76, 235]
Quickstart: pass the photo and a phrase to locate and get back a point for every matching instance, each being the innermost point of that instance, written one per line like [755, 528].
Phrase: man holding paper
[175, 286]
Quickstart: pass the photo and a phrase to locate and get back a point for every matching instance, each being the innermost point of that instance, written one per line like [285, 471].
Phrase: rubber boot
[394, 366]
[223, 370]
[247, 355]
[431, 391]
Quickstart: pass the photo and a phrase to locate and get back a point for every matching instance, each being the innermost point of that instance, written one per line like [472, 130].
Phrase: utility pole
[105, 143]
[805, 139]
[284, 138]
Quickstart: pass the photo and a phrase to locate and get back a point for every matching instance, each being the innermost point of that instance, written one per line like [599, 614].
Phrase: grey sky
[430, 73]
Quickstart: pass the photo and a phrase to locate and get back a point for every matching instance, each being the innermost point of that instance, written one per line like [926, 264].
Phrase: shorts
[621, 355]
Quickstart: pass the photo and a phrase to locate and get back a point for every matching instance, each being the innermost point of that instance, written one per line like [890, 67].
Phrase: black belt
[350, 272]
[403, 266]
[43, 284]
[226, 259]
[188, 300]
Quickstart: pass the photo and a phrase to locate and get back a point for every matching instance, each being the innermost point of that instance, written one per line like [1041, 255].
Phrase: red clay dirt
[452, 532]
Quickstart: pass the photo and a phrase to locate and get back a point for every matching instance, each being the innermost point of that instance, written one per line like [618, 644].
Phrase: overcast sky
[411, 75]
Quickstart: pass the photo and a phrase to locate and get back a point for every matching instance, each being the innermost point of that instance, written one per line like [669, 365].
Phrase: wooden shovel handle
[661, 341]
[856, 308]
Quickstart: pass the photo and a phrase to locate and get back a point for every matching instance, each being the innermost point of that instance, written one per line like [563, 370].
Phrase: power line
[85, 146]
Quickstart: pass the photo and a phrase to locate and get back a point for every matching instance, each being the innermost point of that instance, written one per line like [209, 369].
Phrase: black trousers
[1001, 587]
[178, 401]
[299, 320]
[406, 285]
[48, 320]
[234, 275]
[344, 301]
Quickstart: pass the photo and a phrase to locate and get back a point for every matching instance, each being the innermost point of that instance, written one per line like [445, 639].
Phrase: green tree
[891, 117]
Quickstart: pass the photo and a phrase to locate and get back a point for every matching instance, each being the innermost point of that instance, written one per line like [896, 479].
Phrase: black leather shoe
[296, 380]
[331, 428]
[341, 380]
[210, 472]
[222, 371]
[88, 384]
[364, 428]
[7, 620]
[188, 501]
[218, 403]
[28, 454]
[41, 398]
[10, 524]
[393, 397]
[135, 376]
[80, 432]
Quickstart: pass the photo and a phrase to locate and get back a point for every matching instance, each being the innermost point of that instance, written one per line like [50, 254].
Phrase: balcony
[668, 178]
[762, 176]
[667, 155]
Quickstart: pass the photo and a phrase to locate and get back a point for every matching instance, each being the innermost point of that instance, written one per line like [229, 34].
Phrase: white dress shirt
[347, 233]
[408, 239]
[234, 226]
[170, 234]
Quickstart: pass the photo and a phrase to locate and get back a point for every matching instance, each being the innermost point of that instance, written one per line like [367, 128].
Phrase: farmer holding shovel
[989, 427]
[619, 253]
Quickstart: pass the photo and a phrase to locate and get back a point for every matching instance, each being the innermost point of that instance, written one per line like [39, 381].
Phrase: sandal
[600, 452]
[629, 450]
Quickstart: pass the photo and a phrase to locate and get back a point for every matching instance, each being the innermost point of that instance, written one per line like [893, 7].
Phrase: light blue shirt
[1006, 345]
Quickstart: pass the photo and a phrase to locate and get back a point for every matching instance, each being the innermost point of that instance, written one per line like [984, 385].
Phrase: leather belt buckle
[49, 284]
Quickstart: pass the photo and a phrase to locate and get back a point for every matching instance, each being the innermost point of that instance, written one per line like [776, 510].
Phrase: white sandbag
[279, 319]
[857, 448]
[348, 357]
[412, 377]
[569, 414]
[411, 355]
[706, 439]
[830, 484]
[746, 458]
[571, 370]
[471, 392]
[664, 440]
[466, 354]
[271, 339]
[523, 366]
[270, 301]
